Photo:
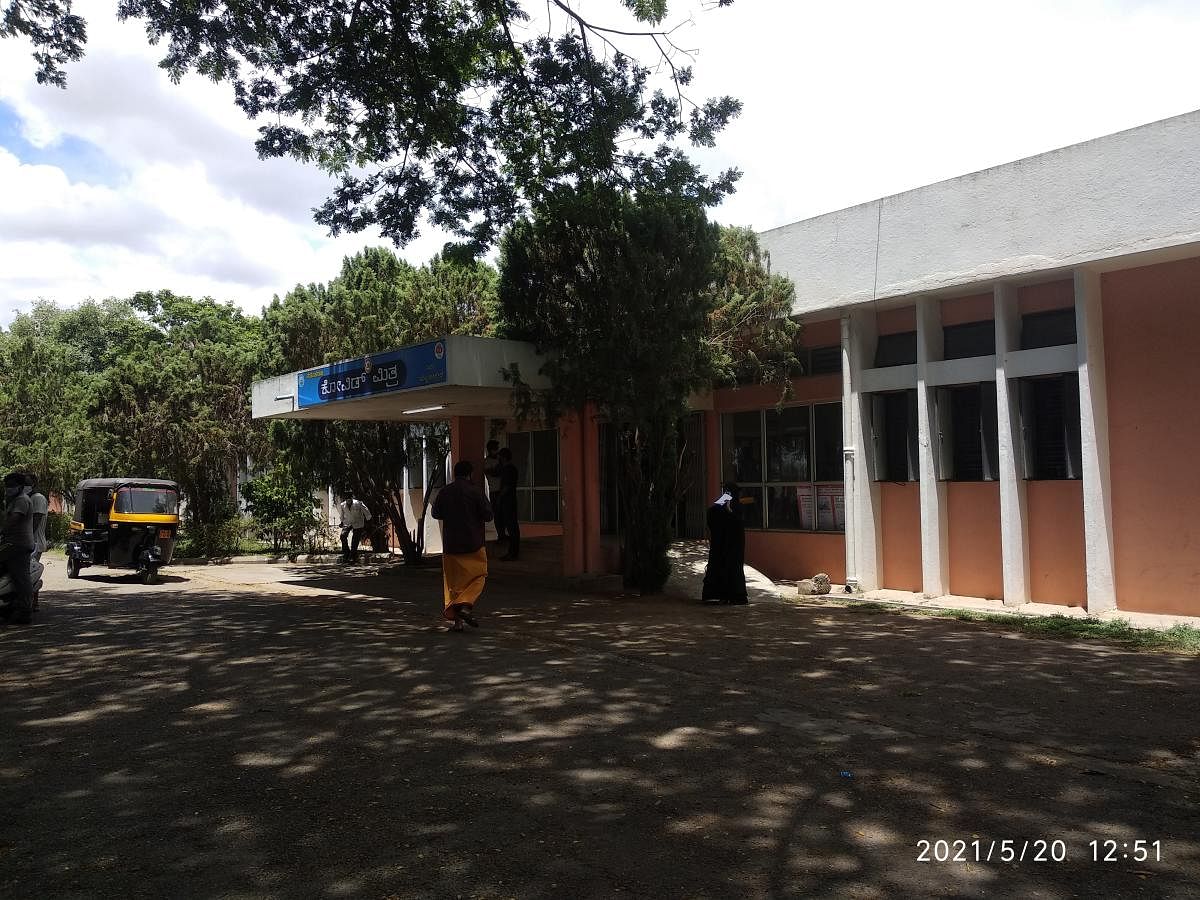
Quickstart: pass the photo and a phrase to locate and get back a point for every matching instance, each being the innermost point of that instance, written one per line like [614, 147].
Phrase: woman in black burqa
[725, 577]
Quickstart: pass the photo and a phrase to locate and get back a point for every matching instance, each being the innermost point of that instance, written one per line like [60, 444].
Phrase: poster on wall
[831, 507]
[804, 497]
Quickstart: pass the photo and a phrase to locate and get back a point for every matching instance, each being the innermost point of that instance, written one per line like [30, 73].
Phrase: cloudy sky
[125, 182]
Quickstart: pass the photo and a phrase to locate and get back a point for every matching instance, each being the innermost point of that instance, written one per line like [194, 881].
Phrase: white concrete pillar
[863, 547]
[1093, 419]
[935, 536]
[1014, 520]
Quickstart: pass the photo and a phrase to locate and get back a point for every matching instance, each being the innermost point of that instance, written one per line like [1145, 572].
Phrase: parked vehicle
[124, 523]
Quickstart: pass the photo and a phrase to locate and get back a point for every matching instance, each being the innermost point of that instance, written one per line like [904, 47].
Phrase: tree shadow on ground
[321, 738]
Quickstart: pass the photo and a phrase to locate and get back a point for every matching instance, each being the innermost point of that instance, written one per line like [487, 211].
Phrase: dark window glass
[545, 459]
[895, 422]
[971, 339]
[1050, 417]
[608, 479]
[825, 361]
[783, 507]
[545, 506]
[967, 433]
[752, 511]
[1048, 329]
[525, 506]
[742, 443]
[827, 441]
[896, 350]
[787, 444]
[146, 501]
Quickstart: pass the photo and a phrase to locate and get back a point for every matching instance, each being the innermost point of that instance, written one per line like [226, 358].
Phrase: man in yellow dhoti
[462, 510]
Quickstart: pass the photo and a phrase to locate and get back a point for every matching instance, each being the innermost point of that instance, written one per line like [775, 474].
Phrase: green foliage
[157, 385]
[616, 288]
[52, 362]
[461, 111]
[58, 526]
[207, 540]
[283, 508]
[752, 338]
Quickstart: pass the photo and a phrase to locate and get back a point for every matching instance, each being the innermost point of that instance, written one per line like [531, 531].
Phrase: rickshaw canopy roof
[128, 481]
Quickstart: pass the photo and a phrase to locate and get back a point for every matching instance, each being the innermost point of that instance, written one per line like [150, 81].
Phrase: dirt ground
[309, 732]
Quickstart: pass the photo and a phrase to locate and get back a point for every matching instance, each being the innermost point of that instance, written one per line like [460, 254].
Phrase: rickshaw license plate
[164, 532]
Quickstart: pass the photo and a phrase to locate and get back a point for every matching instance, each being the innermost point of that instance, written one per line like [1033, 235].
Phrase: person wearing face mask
[16, 548]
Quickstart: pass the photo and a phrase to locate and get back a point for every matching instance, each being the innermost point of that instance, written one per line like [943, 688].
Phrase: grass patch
[1178, 638]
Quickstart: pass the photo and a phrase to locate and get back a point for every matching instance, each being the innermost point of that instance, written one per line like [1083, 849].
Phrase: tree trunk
[649, 494]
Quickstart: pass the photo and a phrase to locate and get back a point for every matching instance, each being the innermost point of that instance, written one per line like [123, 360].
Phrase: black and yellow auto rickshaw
[124, 523]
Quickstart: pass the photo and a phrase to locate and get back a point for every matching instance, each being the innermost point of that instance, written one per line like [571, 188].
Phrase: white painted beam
[1040, 361]
[935, 536]
[1093, 416]
[970, 370]
[1014, 517]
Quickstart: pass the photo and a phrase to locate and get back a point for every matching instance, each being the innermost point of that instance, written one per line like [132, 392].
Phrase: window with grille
[894, 430]
[969, 339]
[1048, 329]
[1051, 427]
[896, 350]
[969, 445]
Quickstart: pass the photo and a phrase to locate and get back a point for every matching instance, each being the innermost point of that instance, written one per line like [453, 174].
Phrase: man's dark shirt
[508, 479]
[462, 509]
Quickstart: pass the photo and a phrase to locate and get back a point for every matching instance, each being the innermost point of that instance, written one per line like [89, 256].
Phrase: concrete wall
[1056, 556]
[1135, 191]
[976, 569]
[1152, 349]
[900, 526]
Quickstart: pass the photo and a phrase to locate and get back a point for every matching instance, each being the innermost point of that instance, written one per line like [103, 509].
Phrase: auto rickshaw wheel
[72, 567]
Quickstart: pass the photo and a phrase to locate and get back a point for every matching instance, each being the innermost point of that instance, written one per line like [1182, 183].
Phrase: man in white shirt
[41, 509]
[355, 516]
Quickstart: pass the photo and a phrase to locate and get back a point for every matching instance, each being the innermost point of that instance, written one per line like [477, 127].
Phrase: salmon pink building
[1000, 398]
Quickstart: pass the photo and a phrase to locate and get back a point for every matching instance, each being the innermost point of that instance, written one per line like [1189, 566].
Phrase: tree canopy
[461, 110]
[154, 385]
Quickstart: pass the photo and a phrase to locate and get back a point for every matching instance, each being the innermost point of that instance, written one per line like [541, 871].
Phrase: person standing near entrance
[491, 472]
[462, 509]
[506, 505]
[355, 516]
[725, 575]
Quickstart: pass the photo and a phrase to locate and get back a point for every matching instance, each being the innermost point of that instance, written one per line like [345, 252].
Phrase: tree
[751, 336]
[177, 403]
[465, 111]
[51, 364]
[389, 303]
[615, 288]
[282, 506]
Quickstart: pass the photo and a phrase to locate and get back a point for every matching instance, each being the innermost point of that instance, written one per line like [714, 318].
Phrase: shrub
[58, 526]
[216, 539]
[283, 508]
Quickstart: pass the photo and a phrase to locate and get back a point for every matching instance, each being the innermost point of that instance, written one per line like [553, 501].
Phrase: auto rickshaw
[124, 523]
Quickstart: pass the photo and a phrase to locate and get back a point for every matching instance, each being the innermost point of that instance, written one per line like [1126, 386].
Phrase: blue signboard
[379, 373]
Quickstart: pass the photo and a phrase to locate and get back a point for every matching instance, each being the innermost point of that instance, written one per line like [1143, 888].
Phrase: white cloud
[844, 102]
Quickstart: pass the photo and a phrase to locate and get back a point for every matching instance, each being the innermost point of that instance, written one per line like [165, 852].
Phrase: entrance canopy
[432, 381]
